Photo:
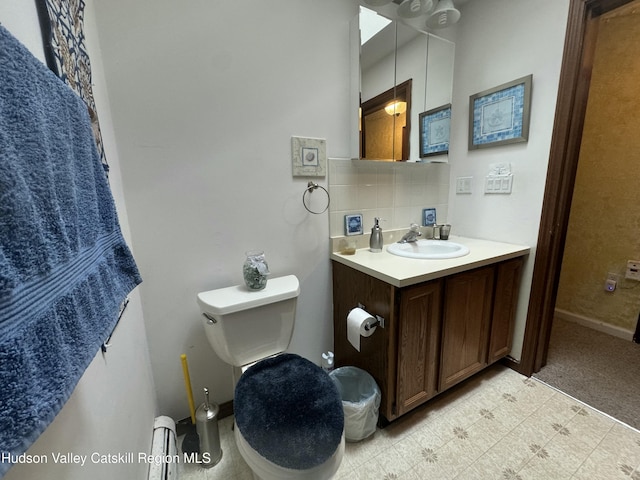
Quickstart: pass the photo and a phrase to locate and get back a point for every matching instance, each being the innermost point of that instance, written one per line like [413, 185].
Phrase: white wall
[499, 41]
[205, 98]
[21, 19]
[113, 407]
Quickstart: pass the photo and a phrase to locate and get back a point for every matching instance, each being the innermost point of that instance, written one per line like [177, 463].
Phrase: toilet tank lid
[224, 301]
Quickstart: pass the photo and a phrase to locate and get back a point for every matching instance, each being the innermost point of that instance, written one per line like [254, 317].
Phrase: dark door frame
[573, 91]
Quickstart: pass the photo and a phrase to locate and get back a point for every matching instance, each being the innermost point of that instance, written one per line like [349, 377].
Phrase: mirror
[386, 124]
[399, 64]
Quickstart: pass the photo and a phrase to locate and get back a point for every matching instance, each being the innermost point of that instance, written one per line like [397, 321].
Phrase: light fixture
[397, 107]
[377, 3]
[438, 13]
[414, 8]
[444, 15]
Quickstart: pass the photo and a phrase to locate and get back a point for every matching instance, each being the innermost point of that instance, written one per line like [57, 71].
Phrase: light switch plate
[463, 185]
[498, 184]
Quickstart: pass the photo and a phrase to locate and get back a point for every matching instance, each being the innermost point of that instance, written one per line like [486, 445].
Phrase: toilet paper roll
[357, 320]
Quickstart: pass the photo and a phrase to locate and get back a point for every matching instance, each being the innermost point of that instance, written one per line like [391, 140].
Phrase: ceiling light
[414, 8]
[444, 15]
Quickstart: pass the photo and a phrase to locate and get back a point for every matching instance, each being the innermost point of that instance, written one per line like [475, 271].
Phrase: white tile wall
[396, 192]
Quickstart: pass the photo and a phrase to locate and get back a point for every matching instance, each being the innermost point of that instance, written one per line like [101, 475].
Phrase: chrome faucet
[412, 235]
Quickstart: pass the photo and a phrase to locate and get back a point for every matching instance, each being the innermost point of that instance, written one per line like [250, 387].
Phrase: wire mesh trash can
[360, 396]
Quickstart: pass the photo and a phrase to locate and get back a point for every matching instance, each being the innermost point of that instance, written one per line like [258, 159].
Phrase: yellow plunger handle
[187, 384]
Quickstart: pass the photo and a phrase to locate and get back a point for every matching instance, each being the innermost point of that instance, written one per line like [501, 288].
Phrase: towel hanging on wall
[64, 265]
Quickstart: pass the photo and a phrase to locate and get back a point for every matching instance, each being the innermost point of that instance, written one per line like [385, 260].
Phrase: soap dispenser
[375, 242]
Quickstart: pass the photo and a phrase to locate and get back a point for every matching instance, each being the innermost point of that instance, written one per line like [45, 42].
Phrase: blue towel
[64, 265]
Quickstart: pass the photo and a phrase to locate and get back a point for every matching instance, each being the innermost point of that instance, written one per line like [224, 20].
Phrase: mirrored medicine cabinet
[397, 74]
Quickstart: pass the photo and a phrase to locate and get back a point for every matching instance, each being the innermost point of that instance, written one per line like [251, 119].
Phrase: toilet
[289, 421]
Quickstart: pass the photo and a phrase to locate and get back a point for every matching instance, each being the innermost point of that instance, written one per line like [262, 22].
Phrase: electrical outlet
[610, 285]
[611, 282]
[633, 270]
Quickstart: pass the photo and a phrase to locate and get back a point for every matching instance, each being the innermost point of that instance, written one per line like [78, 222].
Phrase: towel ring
[310, 188]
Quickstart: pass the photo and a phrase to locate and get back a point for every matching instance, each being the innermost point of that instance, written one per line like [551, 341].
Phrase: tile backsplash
[395, 192]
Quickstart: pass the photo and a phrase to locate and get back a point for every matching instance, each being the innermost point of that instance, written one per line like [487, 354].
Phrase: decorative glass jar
[255, 270]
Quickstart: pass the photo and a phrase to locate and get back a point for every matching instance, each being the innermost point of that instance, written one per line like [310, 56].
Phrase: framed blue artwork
[428, 216]
[500, 115]
[353, 225]
[434, 126]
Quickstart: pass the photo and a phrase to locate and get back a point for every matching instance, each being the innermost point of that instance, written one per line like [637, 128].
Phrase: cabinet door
[418, 344]
[465, 327]
[504, 308]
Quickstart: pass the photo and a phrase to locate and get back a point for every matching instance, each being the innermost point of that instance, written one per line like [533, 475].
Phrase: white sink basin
[428, 249]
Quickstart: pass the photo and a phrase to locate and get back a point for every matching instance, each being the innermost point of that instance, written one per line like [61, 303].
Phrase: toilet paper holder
[379, 320]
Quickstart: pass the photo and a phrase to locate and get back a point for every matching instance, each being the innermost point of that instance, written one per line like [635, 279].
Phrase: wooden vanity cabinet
[436, 333]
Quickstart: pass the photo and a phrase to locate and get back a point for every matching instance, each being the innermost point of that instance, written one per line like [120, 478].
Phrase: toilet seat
[289, 419]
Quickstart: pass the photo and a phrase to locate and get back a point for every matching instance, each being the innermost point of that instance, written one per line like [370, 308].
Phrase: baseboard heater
[163, 445]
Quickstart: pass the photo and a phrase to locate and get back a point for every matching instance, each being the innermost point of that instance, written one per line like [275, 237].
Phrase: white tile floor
[496, 425]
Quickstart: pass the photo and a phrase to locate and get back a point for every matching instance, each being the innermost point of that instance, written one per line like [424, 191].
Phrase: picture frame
[434, 130]
[62, 28]
[500, 115]
[428, 217]
[309, 157]
[353, 225]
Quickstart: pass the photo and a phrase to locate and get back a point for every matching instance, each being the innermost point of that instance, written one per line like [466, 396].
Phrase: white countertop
[402, 272]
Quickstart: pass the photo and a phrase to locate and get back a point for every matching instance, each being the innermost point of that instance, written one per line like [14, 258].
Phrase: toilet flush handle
[210, 320]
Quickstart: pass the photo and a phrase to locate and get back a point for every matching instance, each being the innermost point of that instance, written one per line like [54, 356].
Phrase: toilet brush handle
[187, 384]
[206, 398]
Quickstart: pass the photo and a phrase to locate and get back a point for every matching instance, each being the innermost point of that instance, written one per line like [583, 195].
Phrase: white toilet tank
[244, 326]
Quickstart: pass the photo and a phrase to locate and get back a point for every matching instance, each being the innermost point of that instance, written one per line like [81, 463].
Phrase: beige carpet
[595, 368]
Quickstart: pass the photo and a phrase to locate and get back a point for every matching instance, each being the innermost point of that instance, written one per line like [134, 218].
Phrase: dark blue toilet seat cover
[289, 410]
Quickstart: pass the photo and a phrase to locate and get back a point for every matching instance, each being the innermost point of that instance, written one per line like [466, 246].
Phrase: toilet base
[264, 469]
